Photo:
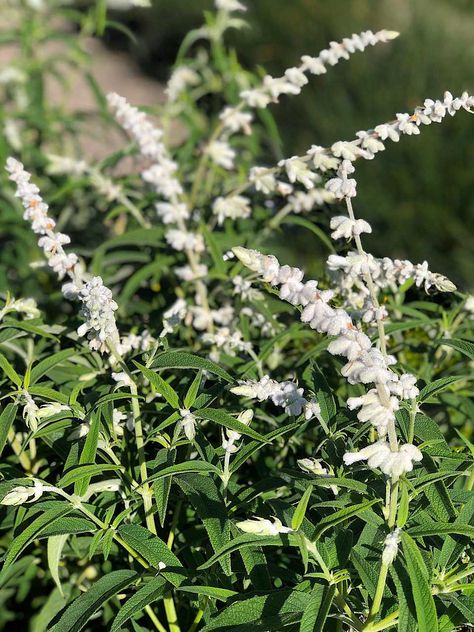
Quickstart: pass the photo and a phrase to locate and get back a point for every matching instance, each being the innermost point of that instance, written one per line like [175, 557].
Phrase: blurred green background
[419, 194]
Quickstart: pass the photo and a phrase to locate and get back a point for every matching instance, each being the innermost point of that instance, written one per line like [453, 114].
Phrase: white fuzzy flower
[262, 526]
[30, 411]
[221, 153]
[188, 423]
[172, 212]
[235, 120]
[23, 494]
[255, 98]
[186, 273]
[233, 207]
[390, 550]
[347, 228]
[314, 466]
[230, 5]
[230, 437]
[404, 386]
[185, 240]
[312, 409]
[181, 78]
[374, 411]
[98, 309]
[263, 179]
[392, 464]
[297, 171]
[342, 186]
[173, 316]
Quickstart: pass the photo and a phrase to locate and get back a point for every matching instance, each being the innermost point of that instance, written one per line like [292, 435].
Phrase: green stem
[146, 490]
[156, 622]
[199, 615]
[411, 426]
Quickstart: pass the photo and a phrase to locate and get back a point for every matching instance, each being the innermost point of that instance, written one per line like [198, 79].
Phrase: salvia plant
[199, 438]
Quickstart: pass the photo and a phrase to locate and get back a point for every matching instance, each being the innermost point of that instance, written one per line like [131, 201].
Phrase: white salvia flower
[230, 5]
[64, 165]
[81, 431]
[305, 201]
[345, 227]
[48, 410]
[221, 153]
[30, 411]
[188, 423]
[371, 143]
[231, 436]
[162, 177]
[346, 151]
[234, 120]
[98, 309]
[172, 212]
[313, 65]
[297, 171]
[469, 305]
[124, 5]
[229, 340]
[244, 288]
[122, 379]
[233, 207]
[10, 74]
[342, 186]
[314, 466]
[121, 419]
[290, 397]
[283, 188]
[407, 124]
[186, 273]
[372, 313]
[296, 76]
[373, 410]
[263, 526]
[136, 342]
[185, 240]
[146, 135]
[181, 78]
[391, 547]
[263, 179]
[312, 409]
[392, 464]
[174, 316]
[255, 98]
[404, 386]
[25, 306]
[322, 160]
[23, 494]
[277, 86]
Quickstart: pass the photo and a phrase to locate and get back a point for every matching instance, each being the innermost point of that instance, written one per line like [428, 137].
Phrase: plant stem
[154, 618]
[199, 615]
[146, 490]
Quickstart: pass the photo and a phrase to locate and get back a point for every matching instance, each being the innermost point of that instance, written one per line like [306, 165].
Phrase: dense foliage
[194, 436]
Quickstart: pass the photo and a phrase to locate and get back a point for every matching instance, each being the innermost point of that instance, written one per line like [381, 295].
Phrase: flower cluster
[284, 394]
[365, 363]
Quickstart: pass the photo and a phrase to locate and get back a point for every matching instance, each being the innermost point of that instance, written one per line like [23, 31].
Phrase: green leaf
[48, 363]
[317, 609]
[160, 385]
[78, 613]
[185, 360]
[224, 419]
[162, 486]
[463, 346]
[203, 493]
[88, 453]
[247, 540]
[300, 510]
[426, 615]
[193, 391]
[222, 594]
[9, 371]
[214, 250]
[260, 613]
[438, 386]
[86, 470]
[198, 467]
[150, 592]
[452, 548]
[406, 606]
[340, 516]
[55, 547]
[6, 420]
[32, 531]
[442, 529]
[154, 551]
